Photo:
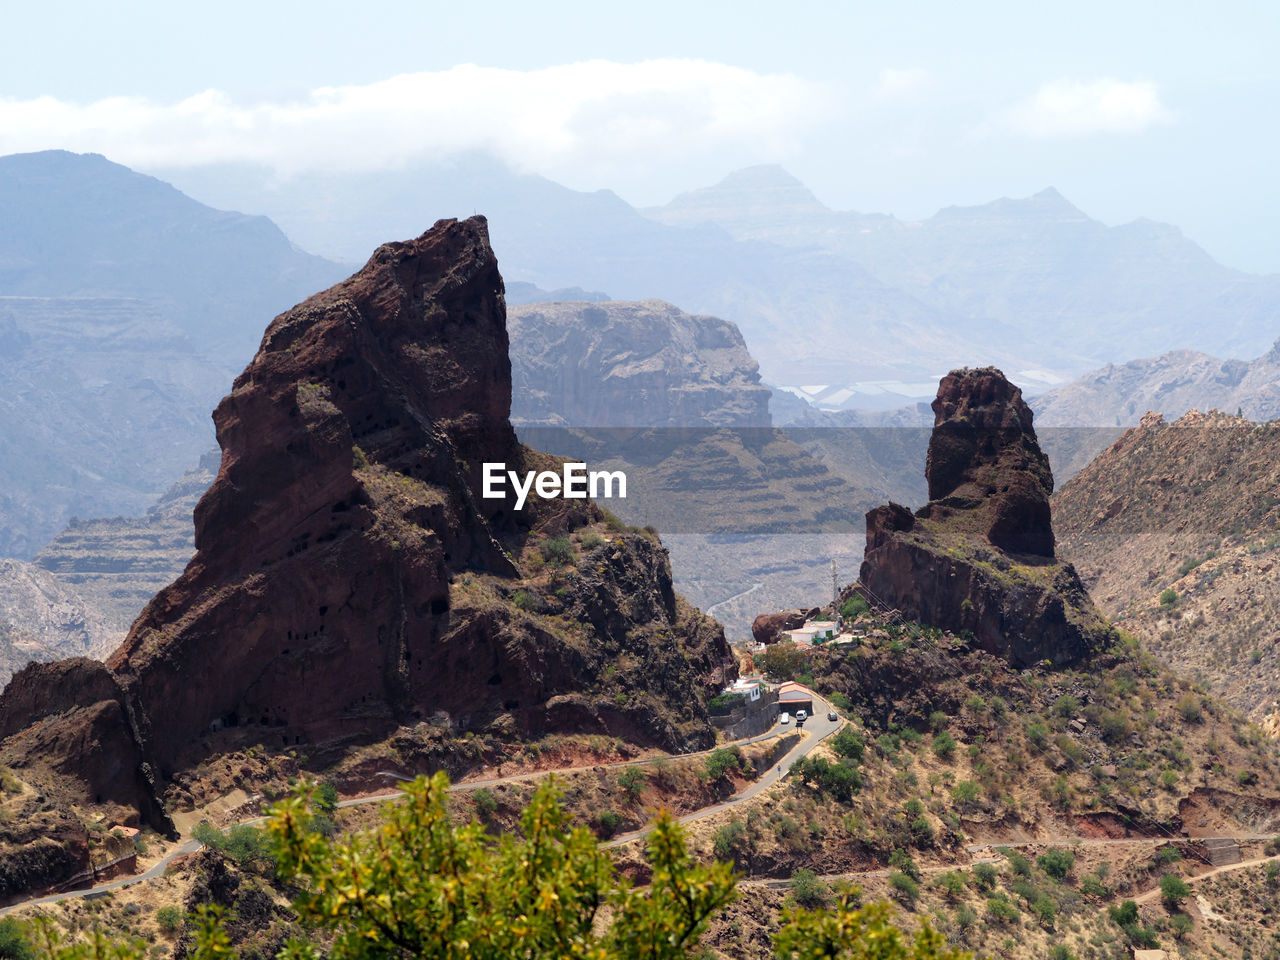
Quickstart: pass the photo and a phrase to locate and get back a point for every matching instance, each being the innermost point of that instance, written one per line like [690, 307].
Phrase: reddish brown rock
[984, 458]
[349, 576]
[769, 627]
[978, 558]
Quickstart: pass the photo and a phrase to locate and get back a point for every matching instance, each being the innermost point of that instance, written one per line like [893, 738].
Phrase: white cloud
[894, 84]
[591, 116]
[1067, 108]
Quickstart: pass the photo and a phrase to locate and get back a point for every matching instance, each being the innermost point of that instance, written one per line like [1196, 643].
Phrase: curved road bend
[818, 726]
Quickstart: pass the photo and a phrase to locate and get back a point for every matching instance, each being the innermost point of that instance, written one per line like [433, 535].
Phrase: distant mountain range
[125, 309]
[852, 309]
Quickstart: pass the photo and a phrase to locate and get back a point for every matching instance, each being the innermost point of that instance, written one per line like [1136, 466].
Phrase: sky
[1130, 109]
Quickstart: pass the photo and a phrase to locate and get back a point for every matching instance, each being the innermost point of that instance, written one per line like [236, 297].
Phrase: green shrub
[168, 919]
[1189, 708]
[14, 944]
[722, 761]
[807, 890]
[632, 780]
[904, 887]
[608, 822]
[854, 606]
[847, 743]
[1000, 910]
[589, 540]
[984, 875]
[901, 860]
[965, 793]
[1057, 863]
[951, 884]
[1173, 890]
[944, 745]
[1168, 597]
[557, 551]
[486, 804]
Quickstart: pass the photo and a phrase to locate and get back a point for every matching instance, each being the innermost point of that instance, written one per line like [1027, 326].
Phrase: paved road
[819, 729]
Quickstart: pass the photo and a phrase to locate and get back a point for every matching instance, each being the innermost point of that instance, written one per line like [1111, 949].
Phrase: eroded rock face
[979, 557]
[984, 457]
[643, 364]
[349, 576]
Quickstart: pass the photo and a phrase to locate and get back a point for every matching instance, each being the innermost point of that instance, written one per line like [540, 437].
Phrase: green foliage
[423, 886]
[944, 745]
[965, 793]
[1057, 862]
[1060, 951]
[1180, 925]
[731, 841]
[557, 551]
[1019, 864]
[852, 932]
[589, 540]
[984, 874]
[1168, 597]
[782, 660]
[608, 822]
[951, 884]
[900, 859]
[725, 703]
[854, 606]
[904, 887]
[169, 918]
[1000, 910]
[524, 600]
[485, 802]
[245, 845]
[14, 944]
[358, 459]
[1189, 708]
[1173, 890]
[632, 780]
[1125, 915]
[807, 890]
[847, 743]
[8, 782]
[841, 702]
[1038, 734]
[327, 798]
[722, 761]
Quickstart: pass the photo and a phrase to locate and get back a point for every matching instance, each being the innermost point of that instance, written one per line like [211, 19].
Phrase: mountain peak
[763, 194]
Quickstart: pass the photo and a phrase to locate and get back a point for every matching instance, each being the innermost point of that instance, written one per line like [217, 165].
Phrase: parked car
[785, 718]
[831, 715]
[802, 714]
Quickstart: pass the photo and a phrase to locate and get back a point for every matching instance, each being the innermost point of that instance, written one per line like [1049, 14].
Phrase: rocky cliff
[349, 577]
[621, 364]
[979, 556]
[1176, 528]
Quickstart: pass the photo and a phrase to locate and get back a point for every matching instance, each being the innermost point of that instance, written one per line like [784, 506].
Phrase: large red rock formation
[979, 557]
[984, 457]
[349, 577]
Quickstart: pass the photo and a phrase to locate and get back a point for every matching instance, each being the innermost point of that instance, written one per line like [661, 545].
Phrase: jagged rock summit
[349, 577]
[979, 556]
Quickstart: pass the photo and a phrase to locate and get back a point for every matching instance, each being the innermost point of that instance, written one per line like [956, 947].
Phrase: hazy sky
[1163, 110]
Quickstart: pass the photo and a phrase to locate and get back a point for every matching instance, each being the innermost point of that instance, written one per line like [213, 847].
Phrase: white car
[785, 718]
[802, 715]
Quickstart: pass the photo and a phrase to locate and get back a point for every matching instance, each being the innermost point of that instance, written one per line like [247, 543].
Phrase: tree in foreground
[420, 886]
[849, 931]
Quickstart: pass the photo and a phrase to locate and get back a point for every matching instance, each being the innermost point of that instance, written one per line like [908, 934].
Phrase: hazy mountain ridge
[125, 307]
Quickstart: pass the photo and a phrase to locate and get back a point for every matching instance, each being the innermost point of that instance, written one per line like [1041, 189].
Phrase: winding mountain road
[818, 730]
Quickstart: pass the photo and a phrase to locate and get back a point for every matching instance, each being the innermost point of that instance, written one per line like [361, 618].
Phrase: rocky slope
[979, 556]
[1192, 508]
[622, 364]
[42, 618]
[89, 584]
[350, 578]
